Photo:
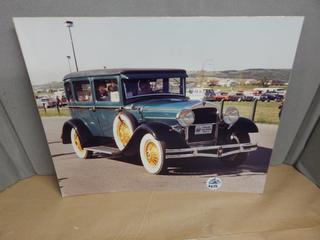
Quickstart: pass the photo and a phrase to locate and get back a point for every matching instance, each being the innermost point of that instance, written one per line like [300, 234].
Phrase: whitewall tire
[152, 154]
[123, 128]
[76, 144]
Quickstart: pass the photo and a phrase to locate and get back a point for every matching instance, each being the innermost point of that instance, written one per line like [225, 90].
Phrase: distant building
[251, 82]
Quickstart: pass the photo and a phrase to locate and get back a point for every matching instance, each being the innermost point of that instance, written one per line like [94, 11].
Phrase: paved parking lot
[102, 174]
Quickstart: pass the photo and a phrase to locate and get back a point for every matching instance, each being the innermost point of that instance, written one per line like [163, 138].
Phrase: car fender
[83, 132]
[244, 125]
[162, 132]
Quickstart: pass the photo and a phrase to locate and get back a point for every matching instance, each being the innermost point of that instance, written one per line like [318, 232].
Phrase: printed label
[214, 183]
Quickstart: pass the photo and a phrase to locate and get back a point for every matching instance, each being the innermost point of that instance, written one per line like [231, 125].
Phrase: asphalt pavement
[102, 174]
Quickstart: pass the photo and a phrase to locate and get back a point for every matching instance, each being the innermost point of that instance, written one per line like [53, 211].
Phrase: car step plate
[104, 149]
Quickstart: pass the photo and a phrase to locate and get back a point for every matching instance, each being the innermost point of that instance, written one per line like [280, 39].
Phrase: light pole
[69, 24]
[68, 57]
[207, 61]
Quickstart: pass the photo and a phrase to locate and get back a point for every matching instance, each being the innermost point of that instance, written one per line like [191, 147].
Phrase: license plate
[203, 129]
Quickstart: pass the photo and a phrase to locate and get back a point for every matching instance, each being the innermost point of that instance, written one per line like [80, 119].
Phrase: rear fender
[82, 130]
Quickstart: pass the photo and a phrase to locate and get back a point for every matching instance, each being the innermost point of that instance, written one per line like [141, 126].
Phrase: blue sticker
[214, 183]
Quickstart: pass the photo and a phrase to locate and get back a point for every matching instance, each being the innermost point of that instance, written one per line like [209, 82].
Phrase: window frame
[183, 88]
[105, 78]
[69, 81]
[74, 83]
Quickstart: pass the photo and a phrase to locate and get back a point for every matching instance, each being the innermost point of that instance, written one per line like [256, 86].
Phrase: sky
[191, 43]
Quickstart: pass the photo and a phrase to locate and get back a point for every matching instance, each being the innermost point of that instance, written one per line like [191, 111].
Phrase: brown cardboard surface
[289, 209]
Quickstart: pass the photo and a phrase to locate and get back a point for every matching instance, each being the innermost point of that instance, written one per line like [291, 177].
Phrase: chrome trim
[160, 118]
[161, 109]
[194, 151]
[201, 143]
[186, 132]
[95, 107]
[203, 104]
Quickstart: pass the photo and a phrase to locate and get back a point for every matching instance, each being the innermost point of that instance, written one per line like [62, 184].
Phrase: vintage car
[236, 96]
[205, 94]
[128, 112]
[221, 96]
[46, 102]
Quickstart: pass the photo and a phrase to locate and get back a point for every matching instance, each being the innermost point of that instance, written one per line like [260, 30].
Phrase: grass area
[267, 112]
[53, 112]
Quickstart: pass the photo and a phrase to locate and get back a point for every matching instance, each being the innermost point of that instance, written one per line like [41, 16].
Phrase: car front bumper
[211, 151]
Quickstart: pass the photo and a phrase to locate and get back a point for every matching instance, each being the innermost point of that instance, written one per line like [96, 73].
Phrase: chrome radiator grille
[203, 118]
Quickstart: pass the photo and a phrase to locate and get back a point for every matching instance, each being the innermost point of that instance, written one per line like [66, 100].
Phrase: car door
[83, 105]
[107, 101]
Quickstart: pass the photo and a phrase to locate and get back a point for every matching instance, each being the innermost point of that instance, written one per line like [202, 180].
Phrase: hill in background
[278, 75]
[201, 77]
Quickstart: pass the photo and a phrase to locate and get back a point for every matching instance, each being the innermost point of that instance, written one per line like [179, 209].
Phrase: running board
[104, 149]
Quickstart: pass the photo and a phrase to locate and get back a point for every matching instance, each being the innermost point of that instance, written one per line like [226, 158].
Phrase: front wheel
[77, 147]
[152, 154]
[240, 158]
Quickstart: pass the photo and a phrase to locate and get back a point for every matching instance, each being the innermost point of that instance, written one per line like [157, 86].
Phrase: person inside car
[145, 87]
[112, 86]
[102, 93]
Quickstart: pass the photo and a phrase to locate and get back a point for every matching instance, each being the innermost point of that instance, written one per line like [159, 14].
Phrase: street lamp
[69, 24]
[208, 61]
[68, 57]
[203, 66]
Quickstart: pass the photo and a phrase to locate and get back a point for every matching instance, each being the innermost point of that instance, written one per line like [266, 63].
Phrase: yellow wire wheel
[123, 128]
[124, 133]
[152, 154]
[77, 142]
[77, 147]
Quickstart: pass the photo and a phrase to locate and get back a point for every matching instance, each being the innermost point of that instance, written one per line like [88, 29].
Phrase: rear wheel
[240, 158]
[77, 147]
[152, 154]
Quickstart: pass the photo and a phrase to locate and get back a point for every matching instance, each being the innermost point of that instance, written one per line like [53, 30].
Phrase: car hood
[167, 108]
[172, 105]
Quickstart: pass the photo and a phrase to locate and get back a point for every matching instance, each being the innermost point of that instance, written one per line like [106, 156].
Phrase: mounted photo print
[160, 103]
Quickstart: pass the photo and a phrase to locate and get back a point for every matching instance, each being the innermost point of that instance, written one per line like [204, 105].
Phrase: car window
[106, 90]
[174, 85]
[67, 87]
[82, 90]
[159, 86]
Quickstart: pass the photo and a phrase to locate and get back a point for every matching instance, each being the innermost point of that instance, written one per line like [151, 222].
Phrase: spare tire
[124, 125]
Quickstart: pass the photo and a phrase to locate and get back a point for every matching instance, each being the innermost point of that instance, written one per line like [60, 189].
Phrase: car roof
[127, 72]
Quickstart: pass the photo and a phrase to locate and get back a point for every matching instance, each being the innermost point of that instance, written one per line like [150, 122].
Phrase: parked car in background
[42, 102]
[221, 96]
[46, 102]
[206, 94]
[52, 102]
[64, 101]
[267, 97]
[125, 112]
[279, 98]
[236, 97]
[248, 96]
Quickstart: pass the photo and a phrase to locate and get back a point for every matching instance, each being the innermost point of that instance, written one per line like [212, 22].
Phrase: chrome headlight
[231, 115]
[185, 117]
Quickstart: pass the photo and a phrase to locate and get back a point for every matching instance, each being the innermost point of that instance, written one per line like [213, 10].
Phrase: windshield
[160, 86]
